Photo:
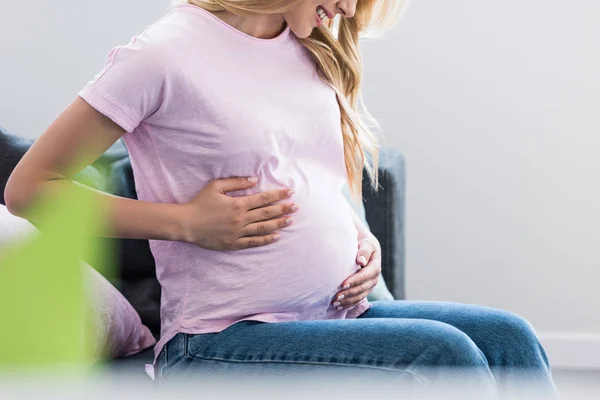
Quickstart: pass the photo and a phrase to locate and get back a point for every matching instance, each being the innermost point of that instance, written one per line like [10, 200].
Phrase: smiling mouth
[322, 14]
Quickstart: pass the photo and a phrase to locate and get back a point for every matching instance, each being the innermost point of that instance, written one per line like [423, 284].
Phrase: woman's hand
[358, 286]
[213, 220]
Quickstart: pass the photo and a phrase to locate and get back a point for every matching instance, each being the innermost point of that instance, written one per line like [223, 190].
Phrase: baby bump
[300, 273]
[306, 267]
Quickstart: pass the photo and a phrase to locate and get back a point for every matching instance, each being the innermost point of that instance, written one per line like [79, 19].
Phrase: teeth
[322, 13]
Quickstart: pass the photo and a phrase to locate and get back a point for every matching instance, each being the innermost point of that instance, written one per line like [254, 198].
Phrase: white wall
[50, 49]
[495, 105]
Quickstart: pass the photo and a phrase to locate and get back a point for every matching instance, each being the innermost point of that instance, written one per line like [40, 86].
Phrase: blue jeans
[408, 342]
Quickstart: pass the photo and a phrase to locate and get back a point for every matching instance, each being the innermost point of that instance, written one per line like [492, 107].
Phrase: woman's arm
[212, 219]
[72, 142]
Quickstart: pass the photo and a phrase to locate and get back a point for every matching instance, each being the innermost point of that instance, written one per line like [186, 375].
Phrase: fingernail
[295, 208]
[340, 308]
[346, 287]
[289, 221]
[362, 260]
[276, 237]
[341, 298]
[336, 304]
[291, 192]
[253, 179]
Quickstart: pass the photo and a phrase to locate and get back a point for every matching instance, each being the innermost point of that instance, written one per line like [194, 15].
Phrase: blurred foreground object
[42, 302]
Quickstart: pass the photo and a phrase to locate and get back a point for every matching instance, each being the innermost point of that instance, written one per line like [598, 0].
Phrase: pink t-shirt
[201, 100]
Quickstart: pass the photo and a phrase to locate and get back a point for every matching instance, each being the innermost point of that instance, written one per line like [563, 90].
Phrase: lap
[316, 341]
[411, 342]
[486, 326]
[386, 337]
[448, 312]
[466, 317]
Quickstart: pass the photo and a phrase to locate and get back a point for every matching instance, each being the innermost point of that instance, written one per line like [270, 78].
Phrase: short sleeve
[130, 86]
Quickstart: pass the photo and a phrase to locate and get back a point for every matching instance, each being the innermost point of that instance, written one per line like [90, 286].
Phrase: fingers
[357, 287]
[263, 233]
[232, 184]
[353, 296]
[366, 248]
[265, 227]
[359, 278]
[349, 302]
[254, 241]
[270, 212]
[357, 290]
[265, 198]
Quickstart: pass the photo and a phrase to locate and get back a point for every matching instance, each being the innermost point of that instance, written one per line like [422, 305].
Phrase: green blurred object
[42, 300]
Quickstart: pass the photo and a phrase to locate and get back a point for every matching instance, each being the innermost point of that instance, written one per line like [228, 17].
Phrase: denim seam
[186, 346]
[185, 353]
[421, 379]
[162, 368]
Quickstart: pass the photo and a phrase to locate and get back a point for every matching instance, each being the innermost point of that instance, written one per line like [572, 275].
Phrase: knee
[455, 348]
[513, 325]
[517, 337]
[515, 328]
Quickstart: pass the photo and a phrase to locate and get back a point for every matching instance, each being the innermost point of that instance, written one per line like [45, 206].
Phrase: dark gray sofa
[136, 278]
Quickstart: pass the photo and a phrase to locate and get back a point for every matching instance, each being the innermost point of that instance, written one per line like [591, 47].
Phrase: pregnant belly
[298, 274]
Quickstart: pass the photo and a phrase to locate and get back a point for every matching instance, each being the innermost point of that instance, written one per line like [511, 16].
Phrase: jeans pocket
[173, 352]
[195, 344]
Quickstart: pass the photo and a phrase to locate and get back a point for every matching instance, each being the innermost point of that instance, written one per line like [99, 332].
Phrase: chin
[302, 33]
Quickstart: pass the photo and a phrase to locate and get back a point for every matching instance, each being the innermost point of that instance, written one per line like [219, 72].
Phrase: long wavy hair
[335, 48]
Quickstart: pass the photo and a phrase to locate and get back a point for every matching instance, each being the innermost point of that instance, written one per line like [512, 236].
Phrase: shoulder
[157, 37]
[175, 32]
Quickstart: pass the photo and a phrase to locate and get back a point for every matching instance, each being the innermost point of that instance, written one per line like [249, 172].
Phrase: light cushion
[119, 331]
[13, 229]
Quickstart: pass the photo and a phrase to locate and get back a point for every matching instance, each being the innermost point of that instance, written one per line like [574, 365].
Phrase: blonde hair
[340, 65]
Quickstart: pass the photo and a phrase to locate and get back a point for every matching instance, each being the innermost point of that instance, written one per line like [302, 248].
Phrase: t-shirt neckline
[280, 38]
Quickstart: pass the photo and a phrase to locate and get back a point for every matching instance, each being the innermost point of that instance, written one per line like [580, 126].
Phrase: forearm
[127, 218]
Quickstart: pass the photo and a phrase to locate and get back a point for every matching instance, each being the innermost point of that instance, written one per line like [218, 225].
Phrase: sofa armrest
[385, 215]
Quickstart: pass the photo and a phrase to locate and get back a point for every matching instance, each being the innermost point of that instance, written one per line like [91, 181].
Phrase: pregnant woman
[241, 119]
